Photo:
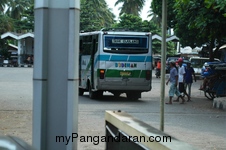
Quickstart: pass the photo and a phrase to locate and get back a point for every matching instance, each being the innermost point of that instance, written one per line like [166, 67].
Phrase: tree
[17, 7]
[155, 18]
[3, 5]
[26, 23]
[135, 23]
[133, 7]
[22, 14]
[156, 7]
[3, 49]
[201, 22]
[6, 24]
[95, 15]
[196, 22]
[130, 22]
[15, 17]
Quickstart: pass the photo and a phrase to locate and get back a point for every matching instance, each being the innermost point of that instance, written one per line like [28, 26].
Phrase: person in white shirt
[181, 79]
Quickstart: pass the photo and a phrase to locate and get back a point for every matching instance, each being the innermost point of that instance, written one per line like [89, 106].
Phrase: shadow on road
[112, 98]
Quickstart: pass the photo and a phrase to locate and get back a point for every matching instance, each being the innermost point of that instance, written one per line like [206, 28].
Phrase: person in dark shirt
[189, 71]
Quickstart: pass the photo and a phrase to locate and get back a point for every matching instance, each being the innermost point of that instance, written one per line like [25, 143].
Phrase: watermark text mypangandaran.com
[121, 138]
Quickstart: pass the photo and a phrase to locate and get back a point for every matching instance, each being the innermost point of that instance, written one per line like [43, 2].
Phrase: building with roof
[25, 45]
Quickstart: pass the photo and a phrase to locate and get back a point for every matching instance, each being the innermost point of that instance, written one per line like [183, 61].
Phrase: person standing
[181, 79]
[158, 69]
[28, 59]
[173, 79]
[188, 78]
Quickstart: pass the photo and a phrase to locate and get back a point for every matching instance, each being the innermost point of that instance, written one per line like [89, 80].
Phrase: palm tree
[17, 7]
[95, 15]
[3, 4]
[105, 13]
[155, 18]
[6, 24]
[102, 13]
[133, 7]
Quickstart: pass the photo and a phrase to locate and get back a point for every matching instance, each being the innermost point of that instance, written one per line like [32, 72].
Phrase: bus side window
[80, 47]
[95, 42]
[86, 45]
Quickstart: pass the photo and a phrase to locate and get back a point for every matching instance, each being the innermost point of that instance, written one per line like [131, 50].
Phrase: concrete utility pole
[163, 63]
[55, 76]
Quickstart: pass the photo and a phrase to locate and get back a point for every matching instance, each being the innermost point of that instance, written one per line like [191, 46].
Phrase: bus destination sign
[125, 41]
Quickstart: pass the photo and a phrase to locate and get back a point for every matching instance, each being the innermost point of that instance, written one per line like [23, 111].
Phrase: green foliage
[3, 4]
[156, 47]
[26, 24]
[203, 21]
[170, 50]
[133, 7]
[18, 16]
[6, 24]
[95, 15]
[135, 23]
[196, 22]
[17, 7]
[156, 7]
[3, 49]
[156, 13]
[129, 21]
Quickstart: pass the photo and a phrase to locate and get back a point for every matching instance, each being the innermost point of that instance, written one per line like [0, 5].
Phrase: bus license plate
[125, 73]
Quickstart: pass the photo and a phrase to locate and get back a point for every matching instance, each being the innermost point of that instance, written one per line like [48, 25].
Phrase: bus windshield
[125, 44]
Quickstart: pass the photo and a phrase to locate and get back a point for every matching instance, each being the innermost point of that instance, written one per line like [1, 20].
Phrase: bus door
[80, 63]
[92, 59]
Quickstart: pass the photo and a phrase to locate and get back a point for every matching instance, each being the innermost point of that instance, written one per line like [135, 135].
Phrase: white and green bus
[115, 61]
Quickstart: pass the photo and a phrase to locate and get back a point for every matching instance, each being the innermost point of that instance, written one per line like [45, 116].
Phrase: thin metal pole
[163, 63]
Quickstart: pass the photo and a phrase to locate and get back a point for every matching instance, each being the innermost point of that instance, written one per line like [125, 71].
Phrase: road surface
[196, 122]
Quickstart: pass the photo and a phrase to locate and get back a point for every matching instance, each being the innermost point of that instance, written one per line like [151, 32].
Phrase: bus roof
[115, 32]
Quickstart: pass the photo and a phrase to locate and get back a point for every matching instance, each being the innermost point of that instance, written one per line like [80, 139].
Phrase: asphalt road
[196, 122]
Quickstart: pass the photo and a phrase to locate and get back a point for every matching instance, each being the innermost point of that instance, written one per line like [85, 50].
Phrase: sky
[144, 12]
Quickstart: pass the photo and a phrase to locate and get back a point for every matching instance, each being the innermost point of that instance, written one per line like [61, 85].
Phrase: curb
[25, 66]
[19, 66]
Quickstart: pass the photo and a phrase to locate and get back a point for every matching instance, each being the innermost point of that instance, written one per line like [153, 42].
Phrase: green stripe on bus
[120, 73]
